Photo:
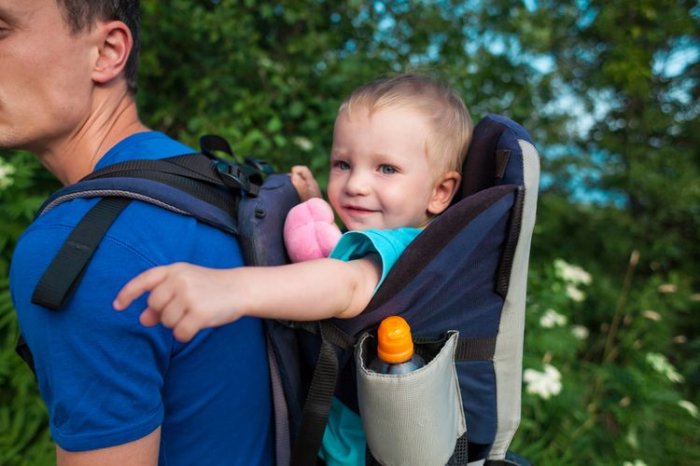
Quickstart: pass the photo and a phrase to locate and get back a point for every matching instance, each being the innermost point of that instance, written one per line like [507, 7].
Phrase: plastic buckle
[260, 165]
[234, 177]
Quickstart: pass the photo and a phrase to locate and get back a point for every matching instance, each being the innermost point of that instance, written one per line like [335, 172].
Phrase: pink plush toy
[309, 230]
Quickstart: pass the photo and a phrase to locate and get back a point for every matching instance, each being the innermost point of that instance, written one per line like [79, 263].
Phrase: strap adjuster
[234, 177]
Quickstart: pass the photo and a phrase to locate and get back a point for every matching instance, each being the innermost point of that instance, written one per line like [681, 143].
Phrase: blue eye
[342, 165]
[387, 169]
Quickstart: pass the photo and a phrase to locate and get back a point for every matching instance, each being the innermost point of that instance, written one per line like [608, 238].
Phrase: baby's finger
[149, 318]
[187, 328]
[172, 313]
[138, 286]
[302, 171]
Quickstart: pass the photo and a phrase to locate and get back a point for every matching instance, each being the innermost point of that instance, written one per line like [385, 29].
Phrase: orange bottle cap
[395, 342]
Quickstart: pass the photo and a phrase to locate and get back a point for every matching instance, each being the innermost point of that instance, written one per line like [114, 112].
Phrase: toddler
[398, 148]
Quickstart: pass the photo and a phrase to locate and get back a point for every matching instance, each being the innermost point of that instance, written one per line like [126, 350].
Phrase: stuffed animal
[310, 231]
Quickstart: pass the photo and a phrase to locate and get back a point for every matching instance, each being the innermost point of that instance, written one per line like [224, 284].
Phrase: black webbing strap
[22, 349]
[194, 167]
[194, 174]
[191, 166]
[318, 400]
[511, 243]
[475, 349]
[63, 273]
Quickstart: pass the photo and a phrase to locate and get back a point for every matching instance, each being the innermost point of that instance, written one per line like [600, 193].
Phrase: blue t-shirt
[108, 380]
[344, 441]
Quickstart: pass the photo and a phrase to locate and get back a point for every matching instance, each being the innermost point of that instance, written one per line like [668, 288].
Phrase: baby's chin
[364, 224]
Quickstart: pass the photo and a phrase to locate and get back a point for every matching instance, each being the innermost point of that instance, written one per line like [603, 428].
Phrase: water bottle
[395, 353]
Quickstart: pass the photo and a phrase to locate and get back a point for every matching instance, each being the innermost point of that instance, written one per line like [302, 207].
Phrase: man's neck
[76, 155]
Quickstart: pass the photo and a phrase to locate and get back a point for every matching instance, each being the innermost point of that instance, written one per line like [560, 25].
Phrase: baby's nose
[357, 184]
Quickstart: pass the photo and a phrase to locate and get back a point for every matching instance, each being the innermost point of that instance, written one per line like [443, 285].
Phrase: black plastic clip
[234, 177]
[261, 166]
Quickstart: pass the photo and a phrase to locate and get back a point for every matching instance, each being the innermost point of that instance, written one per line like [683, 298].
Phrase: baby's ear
[443, 192]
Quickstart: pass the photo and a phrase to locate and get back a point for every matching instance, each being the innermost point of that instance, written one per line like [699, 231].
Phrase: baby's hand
[184, 297]
[304, 182]
[309, 231]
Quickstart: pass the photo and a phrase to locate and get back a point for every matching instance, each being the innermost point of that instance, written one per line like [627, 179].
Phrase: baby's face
[381, 176]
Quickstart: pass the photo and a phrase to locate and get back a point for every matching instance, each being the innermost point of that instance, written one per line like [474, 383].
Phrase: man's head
[398, 147]
[81, 15]
[62, 73]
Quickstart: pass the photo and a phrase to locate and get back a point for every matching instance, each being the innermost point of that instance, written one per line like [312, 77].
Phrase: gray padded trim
[112, 193]
[509, 346]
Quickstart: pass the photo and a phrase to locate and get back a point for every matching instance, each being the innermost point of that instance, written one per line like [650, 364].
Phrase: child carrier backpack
[466, 272]
[461, 285]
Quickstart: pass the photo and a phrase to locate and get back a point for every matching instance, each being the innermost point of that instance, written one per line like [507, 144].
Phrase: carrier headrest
[494, 157]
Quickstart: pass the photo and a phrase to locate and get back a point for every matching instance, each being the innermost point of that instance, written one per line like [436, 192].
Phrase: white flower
[552, 318]
[662, 366]
[580, 332]
[575, 294]
[634, 463]
[6, 172]
[545, 384]
[690, 407]
[303, 143]
[652, 315]
[572, 273]
[667, 288]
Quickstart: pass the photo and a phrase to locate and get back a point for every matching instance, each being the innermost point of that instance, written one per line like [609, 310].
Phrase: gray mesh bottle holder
[411, 419]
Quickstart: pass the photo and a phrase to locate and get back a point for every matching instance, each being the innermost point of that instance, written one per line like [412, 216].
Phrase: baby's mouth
[359, 210]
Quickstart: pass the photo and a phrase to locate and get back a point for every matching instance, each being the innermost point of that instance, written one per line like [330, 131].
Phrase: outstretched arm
[188, 298]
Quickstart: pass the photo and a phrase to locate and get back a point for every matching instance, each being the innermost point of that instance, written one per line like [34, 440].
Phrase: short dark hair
[82, 14]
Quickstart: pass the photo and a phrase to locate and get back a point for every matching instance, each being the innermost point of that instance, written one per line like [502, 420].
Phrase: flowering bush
[600, 385]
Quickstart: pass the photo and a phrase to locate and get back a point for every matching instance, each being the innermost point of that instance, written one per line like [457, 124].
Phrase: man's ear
[114, 46]
[443, 192]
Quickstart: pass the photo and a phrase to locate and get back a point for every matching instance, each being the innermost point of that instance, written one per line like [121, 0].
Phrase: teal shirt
[344, 442]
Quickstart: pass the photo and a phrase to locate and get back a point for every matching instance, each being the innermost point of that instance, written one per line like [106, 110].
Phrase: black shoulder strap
[63, 274]
[320, 394]
[213, 181]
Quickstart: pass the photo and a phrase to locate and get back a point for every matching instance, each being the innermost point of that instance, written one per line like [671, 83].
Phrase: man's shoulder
[144, 145]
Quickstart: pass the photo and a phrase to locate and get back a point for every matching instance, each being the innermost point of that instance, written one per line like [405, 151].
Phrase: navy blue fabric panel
[461, 290]
[206, 212]
[479, 168]
[261, 221]
[455, 287]
[478, 382]
[492, 134]
[518, 131]
[514, 170]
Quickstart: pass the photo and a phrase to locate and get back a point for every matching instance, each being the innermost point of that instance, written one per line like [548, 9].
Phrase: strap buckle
[235, 177]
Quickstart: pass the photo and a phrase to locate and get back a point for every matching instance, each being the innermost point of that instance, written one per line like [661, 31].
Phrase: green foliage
[24, 434]
[614, 393]
[617, 127]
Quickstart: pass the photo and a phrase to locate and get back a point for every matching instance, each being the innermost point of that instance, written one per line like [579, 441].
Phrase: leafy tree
[611, 107]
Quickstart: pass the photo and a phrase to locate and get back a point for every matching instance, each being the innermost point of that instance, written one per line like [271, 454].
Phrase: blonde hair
[444, 110]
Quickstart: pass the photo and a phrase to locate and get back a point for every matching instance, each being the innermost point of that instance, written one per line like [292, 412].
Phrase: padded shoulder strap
[64, 272]
[207, 189]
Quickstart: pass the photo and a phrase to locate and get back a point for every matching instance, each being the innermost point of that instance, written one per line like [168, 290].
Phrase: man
[117, 392]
